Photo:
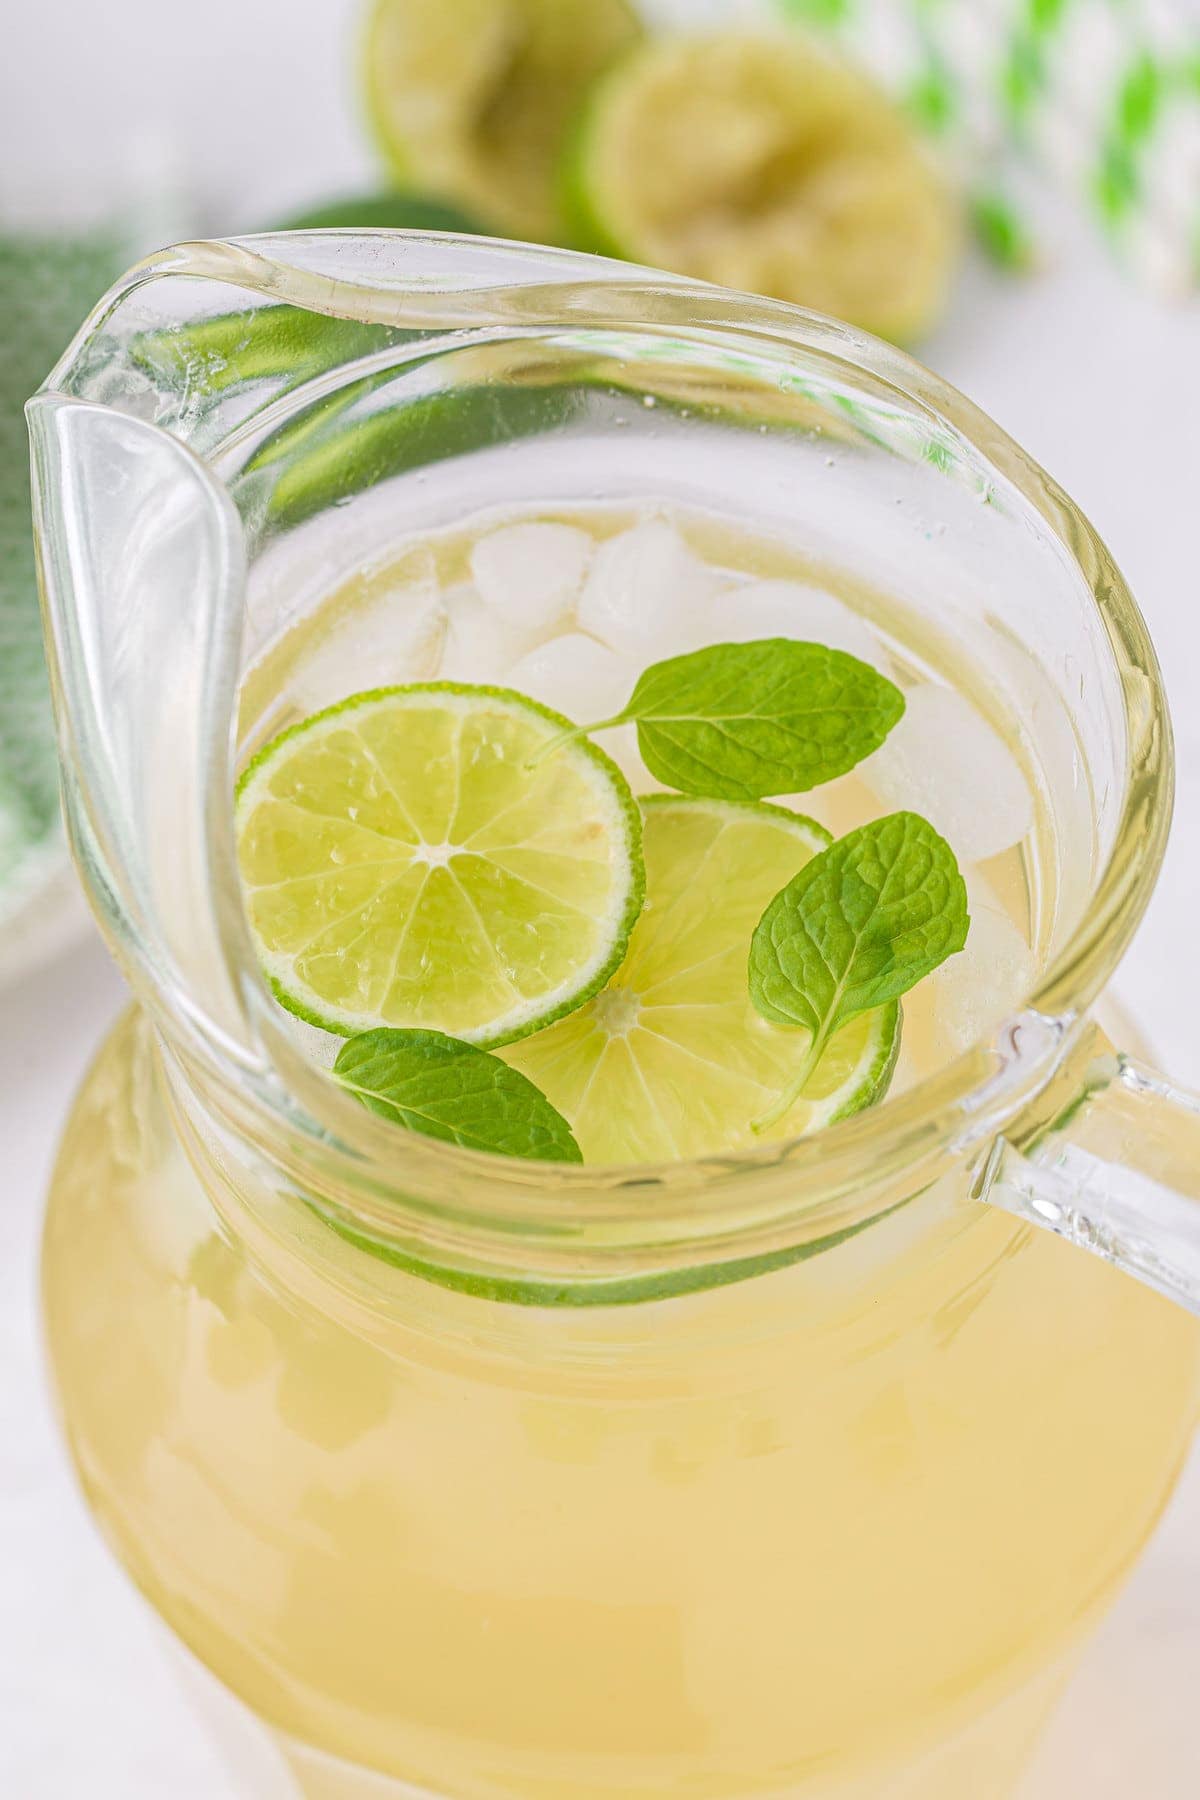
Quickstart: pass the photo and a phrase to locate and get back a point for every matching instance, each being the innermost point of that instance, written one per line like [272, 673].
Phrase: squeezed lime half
[471, 100]
[762, 163]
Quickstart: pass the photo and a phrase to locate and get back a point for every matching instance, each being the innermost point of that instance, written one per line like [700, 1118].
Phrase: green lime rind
[291, 344]
[807, 829]
[471, 102]
[284, 344]
[322, 457]
[877, 1078]
[628, 814]
[395, 209]
[325, 454]
[583, 223]
[630, 1290]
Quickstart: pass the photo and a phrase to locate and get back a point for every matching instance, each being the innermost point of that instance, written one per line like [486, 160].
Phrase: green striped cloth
[1099, 99]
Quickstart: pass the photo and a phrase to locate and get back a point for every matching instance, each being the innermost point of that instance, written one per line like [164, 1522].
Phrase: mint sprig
[444, 1088]
[745, 721]
[860, 925]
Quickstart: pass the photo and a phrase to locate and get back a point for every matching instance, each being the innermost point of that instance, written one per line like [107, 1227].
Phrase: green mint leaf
[860, 924]
[775, 716]
[446, 1089]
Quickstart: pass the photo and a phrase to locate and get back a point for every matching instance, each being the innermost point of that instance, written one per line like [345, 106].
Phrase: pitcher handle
[1116, 1172]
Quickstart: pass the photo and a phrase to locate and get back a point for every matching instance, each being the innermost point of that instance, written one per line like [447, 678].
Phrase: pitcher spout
[146, 522]
[142, 576]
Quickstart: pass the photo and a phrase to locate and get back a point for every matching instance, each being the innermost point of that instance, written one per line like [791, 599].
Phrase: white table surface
[1100, 382]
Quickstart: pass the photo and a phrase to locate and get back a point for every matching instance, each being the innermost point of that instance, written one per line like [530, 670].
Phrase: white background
[246, 107]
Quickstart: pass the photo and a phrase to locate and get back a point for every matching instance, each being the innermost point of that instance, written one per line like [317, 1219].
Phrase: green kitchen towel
[48, 283]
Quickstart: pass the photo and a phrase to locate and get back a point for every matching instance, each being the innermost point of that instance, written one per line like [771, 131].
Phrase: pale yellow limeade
[830, 1532]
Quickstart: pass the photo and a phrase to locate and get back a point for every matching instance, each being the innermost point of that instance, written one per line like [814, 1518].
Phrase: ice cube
[647, 594]
[975, 991]
[392, 636]
[764, 609]
[944, 760]
[531, 573]
[479, 647]
[576, 676]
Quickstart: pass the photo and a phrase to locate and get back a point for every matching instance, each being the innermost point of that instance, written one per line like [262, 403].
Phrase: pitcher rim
[974, 1092]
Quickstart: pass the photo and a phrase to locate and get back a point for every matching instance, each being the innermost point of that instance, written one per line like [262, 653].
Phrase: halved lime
[760, 162]
[672, 1060]
[471, 100]
[403, 866]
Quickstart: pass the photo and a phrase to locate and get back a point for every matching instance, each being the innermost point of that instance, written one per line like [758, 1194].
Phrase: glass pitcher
[801, 1471]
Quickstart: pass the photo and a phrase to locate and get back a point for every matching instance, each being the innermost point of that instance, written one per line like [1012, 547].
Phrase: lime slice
[472, 100]
[761, 163]
[404, 867]
[672, 1060]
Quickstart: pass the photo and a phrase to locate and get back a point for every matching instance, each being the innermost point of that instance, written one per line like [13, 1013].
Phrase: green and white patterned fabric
[47, 286]
[1097, 98]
